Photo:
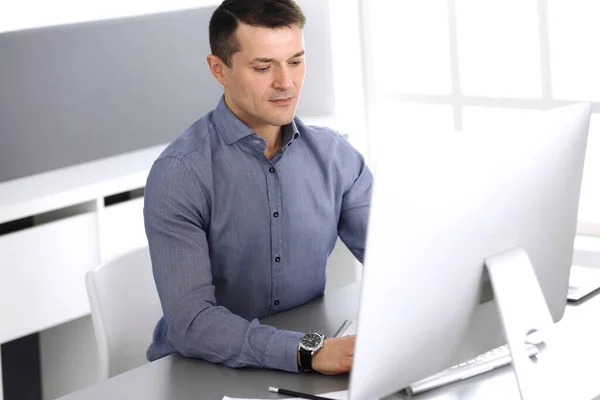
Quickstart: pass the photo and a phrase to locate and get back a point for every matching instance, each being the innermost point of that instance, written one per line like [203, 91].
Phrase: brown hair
[267, 13]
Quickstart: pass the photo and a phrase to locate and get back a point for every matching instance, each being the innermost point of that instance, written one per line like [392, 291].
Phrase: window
[453, 64]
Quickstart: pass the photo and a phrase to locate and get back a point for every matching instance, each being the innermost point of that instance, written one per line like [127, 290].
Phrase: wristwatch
[310, 343]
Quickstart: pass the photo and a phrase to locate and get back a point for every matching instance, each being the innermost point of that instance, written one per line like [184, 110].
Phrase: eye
[261, 69]
[297, 62]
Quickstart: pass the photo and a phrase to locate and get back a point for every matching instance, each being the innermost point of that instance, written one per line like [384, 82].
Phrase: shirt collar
[233, 129]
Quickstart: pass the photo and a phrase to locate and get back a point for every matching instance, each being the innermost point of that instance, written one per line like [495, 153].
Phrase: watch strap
[306, 359]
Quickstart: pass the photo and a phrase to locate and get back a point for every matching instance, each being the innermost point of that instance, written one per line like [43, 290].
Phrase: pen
[343, 328]
[296, 394]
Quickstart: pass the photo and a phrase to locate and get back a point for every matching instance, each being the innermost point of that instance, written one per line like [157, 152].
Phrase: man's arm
[337, 354]
[354, 215]
[197, 326]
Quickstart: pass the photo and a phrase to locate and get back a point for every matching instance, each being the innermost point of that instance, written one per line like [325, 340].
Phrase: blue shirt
[235, 237]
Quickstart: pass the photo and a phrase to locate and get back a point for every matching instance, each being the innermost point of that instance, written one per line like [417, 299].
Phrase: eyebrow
[268, 60]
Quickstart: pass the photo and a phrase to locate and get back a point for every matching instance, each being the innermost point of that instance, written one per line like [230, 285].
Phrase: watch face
[311, 341]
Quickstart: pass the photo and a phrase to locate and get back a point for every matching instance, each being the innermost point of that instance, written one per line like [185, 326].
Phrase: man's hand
[336, 355]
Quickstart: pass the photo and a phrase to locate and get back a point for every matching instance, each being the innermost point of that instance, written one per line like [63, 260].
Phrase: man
[243, 209]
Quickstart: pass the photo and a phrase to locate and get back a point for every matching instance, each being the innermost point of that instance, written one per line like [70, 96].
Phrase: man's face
[263, 85]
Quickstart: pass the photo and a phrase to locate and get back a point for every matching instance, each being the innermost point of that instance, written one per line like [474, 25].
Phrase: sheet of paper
[341, 395]
[583, 281]
[584, 276]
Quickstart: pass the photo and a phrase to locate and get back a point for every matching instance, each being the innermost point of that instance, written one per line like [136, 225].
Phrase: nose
[283, 79]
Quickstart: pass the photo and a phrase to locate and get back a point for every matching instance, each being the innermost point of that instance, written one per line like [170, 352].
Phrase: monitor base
[526, 318]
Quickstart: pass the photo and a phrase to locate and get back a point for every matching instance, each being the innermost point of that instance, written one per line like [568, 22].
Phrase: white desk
[177, 378]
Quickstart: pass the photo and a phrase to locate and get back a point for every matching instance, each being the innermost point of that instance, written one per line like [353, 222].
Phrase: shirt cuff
[282, 350]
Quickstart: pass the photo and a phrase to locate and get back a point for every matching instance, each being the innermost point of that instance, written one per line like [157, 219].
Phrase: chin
[280, 120]
[283, 121]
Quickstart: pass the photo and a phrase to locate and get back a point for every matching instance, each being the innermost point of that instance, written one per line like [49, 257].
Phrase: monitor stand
[523, 310]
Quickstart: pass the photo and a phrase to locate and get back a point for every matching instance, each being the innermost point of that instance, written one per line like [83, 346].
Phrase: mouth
[286, 101]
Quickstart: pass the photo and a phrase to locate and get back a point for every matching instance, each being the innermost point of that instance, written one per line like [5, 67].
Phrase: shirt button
[276, 302]
[276, 214]
[271, 170]
[277, 259]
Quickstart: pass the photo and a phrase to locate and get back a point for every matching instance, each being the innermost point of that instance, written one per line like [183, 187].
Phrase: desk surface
[177, 378]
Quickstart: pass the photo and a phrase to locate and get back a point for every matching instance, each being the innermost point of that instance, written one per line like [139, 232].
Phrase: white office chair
[125, 308]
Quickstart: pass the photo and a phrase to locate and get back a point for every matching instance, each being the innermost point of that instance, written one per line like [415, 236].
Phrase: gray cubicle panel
[76, 93]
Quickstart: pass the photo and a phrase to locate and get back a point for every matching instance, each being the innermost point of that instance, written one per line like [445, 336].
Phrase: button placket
[274, 196]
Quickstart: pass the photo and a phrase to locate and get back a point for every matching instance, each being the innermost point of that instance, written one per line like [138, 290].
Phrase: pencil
[297, 394]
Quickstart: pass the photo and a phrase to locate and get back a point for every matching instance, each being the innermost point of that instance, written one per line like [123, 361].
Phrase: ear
[217, 68]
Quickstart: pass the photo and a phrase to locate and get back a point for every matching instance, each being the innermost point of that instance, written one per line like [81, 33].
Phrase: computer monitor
[443, 204]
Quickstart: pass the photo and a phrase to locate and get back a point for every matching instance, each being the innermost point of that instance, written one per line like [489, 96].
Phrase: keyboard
[485, 362]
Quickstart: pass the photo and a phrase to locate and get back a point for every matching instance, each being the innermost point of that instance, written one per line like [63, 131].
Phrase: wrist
[309, 345]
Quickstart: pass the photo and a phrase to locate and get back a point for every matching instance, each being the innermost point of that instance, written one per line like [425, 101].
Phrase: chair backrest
[125, 308]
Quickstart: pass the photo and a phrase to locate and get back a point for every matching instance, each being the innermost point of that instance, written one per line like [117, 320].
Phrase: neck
[274, 138]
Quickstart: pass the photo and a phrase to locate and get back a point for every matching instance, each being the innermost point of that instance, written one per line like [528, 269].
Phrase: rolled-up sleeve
[175, 209]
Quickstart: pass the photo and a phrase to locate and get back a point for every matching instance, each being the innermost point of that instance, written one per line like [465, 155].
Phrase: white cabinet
[43, 263]
[42, 272]
[121, 228]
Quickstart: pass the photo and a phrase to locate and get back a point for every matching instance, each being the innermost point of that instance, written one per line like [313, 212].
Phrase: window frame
[456, 99]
